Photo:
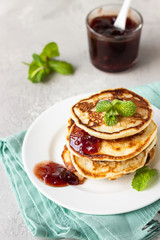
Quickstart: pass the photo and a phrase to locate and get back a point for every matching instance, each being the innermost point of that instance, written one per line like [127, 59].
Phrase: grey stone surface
[25, 27]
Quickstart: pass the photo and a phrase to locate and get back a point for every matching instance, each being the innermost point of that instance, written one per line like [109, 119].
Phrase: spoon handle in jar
[122, 16]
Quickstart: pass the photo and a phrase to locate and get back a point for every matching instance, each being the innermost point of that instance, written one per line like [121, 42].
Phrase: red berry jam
[54, 174]
[104, 25]
[84, 143]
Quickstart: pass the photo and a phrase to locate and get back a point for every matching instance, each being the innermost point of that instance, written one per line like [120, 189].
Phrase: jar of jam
[113, 49]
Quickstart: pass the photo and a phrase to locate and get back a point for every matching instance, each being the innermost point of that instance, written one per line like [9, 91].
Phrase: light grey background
[25, 27]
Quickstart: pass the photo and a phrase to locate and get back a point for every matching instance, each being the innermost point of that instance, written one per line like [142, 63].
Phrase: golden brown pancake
[112, 170]
[118, 149]
[66, 157]
[87, 118]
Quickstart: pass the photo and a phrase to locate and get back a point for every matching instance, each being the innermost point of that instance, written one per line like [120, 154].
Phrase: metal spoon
[122, 16]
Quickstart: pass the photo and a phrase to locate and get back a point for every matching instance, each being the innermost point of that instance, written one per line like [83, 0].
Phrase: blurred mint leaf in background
[50, 51]
[44, 64]
[61, 67]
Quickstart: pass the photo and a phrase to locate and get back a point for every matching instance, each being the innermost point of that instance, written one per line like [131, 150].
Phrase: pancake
[150, 157]
[112, 170]
[112, 150]
[87, 118]
[66, 157]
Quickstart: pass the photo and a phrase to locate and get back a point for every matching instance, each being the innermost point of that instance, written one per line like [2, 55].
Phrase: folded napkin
[45, 218]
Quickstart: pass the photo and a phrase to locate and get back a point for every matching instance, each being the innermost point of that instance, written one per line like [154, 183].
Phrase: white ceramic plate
[45, 140]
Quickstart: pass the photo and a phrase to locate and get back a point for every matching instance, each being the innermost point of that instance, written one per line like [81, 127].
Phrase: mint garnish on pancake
[115, 108]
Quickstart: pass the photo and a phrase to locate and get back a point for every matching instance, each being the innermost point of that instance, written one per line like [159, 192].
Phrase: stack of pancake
[95, 150]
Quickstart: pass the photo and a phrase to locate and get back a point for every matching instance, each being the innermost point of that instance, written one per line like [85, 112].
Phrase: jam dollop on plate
[54, 174]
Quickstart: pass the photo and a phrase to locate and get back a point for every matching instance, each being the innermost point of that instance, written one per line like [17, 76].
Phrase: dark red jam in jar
[54, 174]
[113, 49]
[82, 142]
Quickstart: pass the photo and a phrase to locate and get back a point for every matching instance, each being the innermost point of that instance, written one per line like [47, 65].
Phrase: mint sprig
[44, 64]
[142, 177]
[115, 108]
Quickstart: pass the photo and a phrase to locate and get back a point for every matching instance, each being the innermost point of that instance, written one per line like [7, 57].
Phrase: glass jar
[112, 49]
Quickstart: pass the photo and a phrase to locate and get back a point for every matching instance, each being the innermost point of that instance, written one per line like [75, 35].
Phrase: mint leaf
[37, 60]
[33, 69]
[41, 74]
[109, 119]
[50, 51]
[140, 170]
[37, 73]
[142, 177]
[125, 108]
[38, 76]
[103, 106]
[61, 67]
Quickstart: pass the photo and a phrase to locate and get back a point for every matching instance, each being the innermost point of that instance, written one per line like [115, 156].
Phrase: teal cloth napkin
[45, 218]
